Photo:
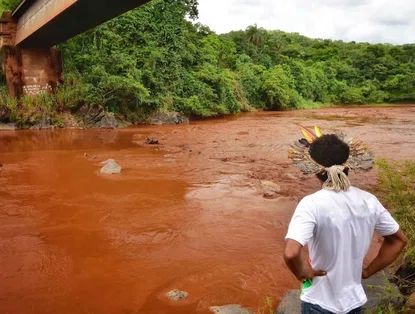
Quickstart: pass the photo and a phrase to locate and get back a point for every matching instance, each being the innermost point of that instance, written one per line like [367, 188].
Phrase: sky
[374, 21]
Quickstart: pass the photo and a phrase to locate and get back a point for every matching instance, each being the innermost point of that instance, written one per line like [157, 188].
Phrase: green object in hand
[307, 283]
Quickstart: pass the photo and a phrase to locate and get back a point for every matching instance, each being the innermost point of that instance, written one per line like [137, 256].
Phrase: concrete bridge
[31, 64]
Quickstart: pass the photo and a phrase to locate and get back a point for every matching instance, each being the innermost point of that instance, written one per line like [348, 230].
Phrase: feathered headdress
[360, 156]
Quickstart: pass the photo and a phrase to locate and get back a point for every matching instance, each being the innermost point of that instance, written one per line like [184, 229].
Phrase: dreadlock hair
[328, 151]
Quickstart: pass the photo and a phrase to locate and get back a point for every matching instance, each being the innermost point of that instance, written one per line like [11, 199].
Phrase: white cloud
[350, 20]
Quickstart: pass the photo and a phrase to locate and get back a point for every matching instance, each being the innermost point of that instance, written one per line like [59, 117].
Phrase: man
[338, 223]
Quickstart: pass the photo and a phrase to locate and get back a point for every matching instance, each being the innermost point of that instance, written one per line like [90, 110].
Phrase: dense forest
[159, 57]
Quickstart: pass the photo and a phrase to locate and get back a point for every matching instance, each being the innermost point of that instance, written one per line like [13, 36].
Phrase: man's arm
[389, 251]
[297, 264]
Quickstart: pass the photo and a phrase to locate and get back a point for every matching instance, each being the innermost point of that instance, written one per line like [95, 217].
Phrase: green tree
[255, 35]
[6, 5]
[279, 89]
[158, 58]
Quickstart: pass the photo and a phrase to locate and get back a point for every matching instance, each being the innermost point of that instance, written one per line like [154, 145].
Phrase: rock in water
[151, 141]
[229, 309]
[108, 121]
[111, 167]
[290, 303]
[168, 118]
[270, 188]
[91, 115]
[177, 295]
[97, 117]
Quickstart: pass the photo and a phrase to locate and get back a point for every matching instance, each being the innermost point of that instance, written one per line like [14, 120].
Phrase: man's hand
[298, 266]
[389, 251]
[310, 273]
[365, 274]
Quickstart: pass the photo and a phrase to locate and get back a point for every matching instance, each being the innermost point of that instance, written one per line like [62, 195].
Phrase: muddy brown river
[187, 214]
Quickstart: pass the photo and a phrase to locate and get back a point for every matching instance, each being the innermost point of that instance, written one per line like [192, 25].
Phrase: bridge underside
[30, 64]
[45, 23]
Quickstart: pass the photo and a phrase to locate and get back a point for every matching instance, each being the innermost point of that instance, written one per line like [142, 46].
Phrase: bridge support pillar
[27, 71]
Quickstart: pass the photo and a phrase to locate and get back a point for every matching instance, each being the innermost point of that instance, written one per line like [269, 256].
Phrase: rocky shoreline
[380, 292]
[88, 118]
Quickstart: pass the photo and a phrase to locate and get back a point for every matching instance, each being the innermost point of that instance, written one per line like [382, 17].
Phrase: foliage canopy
[158, 57]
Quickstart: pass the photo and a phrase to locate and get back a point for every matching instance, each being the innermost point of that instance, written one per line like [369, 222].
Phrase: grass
[397, 189]
[29, 110]
[388, 296]
[268, 307]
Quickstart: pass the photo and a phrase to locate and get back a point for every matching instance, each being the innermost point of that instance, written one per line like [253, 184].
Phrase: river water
[187, 214]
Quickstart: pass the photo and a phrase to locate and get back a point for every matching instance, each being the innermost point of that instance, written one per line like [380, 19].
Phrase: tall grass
[397, 189]
[29, 110]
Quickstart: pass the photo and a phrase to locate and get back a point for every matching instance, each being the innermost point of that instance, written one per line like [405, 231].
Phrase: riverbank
[192, 213]
[37, 118]
[84, 118]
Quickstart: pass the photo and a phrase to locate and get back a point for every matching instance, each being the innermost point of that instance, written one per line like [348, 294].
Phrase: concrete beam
[45, 23]
[38, 15]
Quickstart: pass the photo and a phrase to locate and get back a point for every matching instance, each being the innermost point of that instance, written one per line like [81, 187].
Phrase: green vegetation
[158, 58]
[268, 307]
[389, 298]
[396, 189]
[8, 4]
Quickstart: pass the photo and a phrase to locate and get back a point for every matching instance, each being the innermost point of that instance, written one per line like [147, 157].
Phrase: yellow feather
[318, 131]
[310, 137]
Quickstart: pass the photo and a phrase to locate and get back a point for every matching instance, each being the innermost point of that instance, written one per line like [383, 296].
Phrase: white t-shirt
[338, 228]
